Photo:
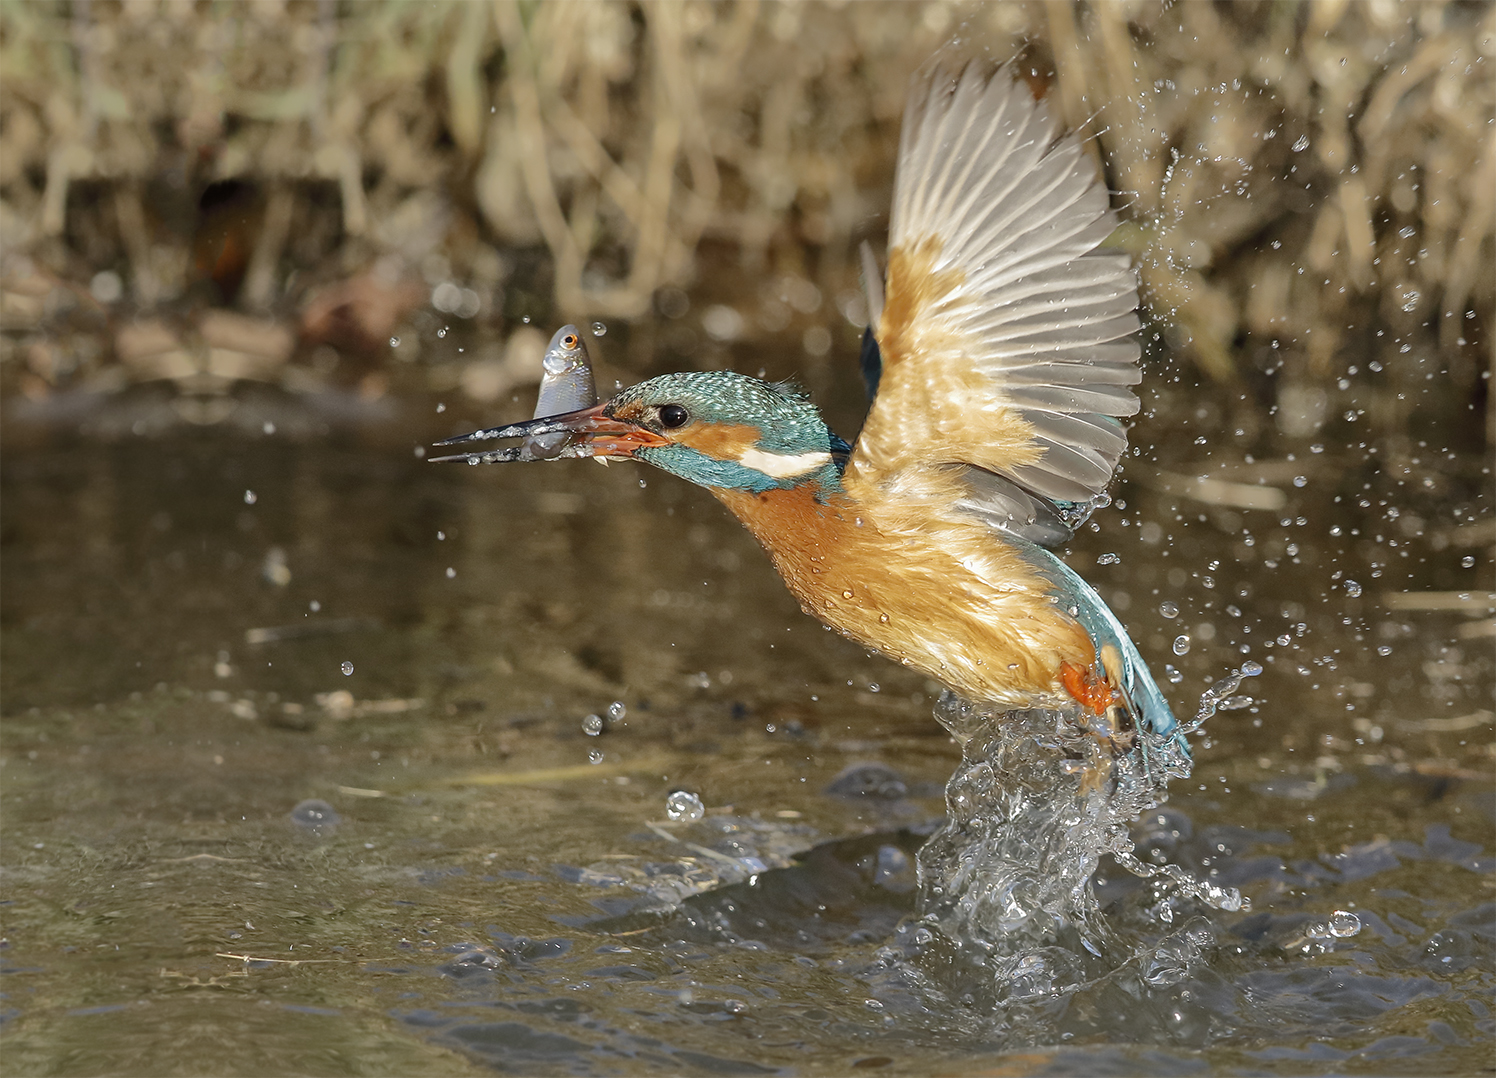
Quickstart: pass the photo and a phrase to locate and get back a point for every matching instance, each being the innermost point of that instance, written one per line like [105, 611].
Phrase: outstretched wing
[1005, 336]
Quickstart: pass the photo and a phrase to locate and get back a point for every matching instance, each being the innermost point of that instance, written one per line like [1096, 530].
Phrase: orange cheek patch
[720, 440]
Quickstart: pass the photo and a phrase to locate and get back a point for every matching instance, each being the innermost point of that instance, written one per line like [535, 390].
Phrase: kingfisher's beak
[590, 432]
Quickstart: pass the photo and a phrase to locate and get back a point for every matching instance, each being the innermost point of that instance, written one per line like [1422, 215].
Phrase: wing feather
[1007, 339]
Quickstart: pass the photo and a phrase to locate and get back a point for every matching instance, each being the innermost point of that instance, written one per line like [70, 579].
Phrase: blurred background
[360, 203]
[271, 682]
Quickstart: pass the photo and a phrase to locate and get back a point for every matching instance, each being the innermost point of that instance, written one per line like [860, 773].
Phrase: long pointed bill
[591, 432]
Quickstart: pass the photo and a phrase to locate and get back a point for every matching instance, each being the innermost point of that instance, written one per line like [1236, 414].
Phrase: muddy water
[222, 853]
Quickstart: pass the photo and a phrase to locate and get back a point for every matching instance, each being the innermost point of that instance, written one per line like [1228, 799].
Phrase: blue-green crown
[786, 422]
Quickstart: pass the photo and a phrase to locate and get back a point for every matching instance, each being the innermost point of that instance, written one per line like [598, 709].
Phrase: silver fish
[565, 386]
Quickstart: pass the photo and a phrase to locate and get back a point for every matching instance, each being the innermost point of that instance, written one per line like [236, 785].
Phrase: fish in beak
[565, 386]
[588, 432]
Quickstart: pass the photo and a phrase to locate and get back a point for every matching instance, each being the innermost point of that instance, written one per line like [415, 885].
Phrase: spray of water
[1037, 801]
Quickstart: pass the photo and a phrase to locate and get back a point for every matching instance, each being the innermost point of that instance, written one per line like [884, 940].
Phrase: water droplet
[599, 330]
[617, 711]
[440, 536]
[1410, 301]
[1173, 674]
[1181, 645]
[451, 573]
[847, 594]
[106, 286]
[347, 668]
[883, 618]
[1343, 924]
[250, 497]
[474, 461]
[684, 805]
[1467, 562]
[1301, 144]
[592, 725]
[1251, 668]
[1107, 559]
[594, 757]
[1352, 588]
[442, 332]
[440, 408]
[267, 427]
[314, 606]
[1169, 610]
[394, 342]
[1316, 448]
[313, 815]
[1300, 480]
[1170, 963]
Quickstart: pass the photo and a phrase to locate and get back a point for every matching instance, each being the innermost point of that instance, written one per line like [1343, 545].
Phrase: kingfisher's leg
[1105, 717]
[1103, 697]
[1091, 692]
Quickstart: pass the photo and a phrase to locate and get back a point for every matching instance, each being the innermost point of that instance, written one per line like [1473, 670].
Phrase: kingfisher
[1000, 358]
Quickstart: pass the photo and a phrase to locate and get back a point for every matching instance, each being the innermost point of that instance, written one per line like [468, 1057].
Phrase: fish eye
[569, 341]
[673, 415]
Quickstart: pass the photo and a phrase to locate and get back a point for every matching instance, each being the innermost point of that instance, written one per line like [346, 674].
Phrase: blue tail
[1104, 628]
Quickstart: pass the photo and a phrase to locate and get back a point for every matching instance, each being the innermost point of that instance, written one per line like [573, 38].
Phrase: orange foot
[1094, 693]
[1102, 697]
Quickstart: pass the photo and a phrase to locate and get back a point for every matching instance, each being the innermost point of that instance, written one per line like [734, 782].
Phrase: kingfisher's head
[718, 429]
[723, 429]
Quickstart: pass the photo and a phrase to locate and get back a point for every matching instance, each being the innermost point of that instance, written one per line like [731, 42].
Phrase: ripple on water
[315, 816]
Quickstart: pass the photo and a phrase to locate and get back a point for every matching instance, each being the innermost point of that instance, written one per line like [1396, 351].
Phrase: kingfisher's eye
[673, 415]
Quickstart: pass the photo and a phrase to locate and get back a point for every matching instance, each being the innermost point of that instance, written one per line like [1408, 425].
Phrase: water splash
[1074, 514]
[1219, 695]
[1006, 883]
[1033, 805]
[684, 805]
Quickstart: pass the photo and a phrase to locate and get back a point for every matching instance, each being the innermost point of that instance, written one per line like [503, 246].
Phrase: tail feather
[1142, 697]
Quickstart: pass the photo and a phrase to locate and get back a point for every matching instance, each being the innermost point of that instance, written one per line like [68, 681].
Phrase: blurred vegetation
[211, 193]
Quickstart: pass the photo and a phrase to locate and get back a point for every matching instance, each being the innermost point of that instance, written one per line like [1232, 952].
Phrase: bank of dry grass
[1290, 171]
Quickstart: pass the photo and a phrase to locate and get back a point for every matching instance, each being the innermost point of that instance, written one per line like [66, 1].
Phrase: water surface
[480, 884]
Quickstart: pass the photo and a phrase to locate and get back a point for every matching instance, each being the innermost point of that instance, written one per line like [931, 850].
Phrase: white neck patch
[780, 466]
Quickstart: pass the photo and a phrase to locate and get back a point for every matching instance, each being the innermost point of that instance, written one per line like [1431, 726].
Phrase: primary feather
[1005, 337]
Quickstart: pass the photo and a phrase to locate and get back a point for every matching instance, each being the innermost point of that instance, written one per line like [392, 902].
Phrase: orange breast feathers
[935, 593]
